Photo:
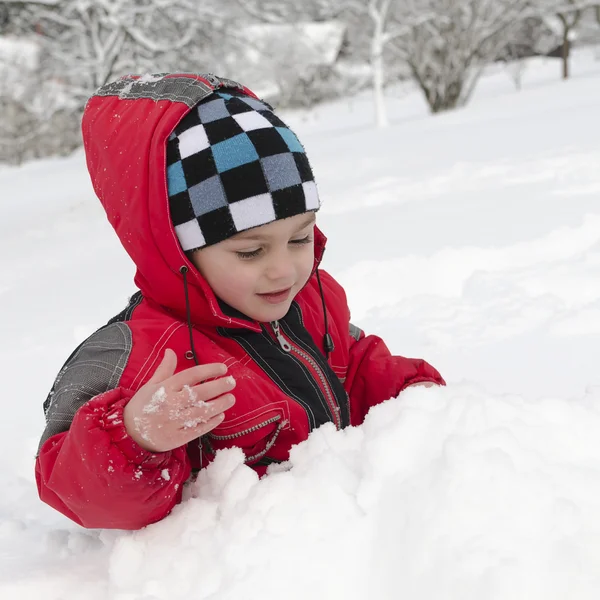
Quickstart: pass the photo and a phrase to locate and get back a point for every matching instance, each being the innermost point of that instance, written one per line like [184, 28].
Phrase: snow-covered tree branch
[377, 24]
[94, 41]
[563, 16]
[447, 52]
[294, 53]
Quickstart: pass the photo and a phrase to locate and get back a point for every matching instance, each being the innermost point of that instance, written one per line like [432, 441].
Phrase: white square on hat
[190, 235]
[193, 140]
[249, 121]
[252, 212]
[311, 195]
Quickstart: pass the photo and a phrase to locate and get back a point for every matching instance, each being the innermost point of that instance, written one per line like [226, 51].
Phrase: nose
[281, 267]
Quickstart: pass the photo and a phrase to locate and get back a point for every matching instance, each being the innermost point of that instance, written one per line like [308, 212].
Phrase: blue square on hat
[234, 152]
[212, 111]
[207, 196]
[281, 171]
[290, 139]
[176, 182]
[254, 103]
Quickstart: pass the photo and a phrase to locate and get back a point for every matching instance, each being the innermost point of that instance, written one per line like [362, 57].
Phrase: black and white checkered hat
[233, 165]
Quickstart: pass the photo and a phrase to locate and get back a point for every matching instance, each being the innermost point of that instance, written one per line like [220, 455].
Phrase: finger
[196, 374]
[182, 436]
[203, 392]
[201, 429]
[166, 368]
[193, 416]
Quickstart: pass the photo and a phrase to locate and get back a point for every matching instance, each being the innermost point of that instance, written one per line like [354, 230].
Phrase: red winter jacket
[88, 467]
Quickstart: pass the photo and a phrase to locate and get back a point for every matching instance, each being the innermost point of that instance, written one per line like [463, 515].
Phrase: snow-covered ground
[471, 239]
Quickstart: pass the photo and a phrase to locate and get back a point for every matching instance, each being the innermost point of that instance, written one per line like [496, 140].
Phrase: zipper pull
[285, 345]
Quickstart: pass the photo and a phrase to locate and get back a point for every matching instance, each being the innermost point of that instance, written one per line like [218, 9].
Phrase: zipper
[269, 445]
[286, 346]
[233, 436]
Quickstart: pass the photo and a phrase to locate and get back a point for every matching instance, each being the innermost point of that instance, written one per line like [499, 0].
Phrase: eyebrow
[252, 235]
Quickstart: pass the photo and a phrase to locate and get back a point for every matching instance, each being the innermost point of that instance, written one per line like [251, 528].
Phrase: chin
[273, 314]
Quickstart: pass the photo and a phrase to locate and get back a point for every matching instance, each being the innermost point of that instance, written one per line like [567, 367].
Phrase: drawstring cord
[327, 339]
[183, 270]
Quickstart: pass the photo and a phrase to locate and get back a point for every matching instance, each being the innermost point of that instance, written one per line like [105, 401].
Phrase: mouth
[276, 296]
[283, 291]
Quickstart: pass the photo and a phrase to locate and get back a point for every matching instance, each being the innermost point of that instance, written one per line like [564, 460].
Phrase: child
[235, 337]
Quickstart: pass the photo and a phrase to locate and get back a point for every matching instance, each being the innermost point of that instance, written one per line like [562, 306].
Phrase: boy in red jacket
[236, 338]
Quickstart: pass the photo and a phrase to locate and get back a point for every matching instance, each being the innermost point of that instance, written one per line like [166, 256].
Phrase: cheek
[238, 279]
[306, 264]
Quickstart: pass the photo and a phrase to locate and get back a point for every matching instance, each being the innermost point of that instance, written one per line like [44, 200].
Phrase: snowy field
[471, 239]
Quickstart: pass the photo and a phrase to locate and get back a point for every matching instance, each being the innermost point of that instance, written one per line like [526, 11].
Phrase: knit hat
[233, 165]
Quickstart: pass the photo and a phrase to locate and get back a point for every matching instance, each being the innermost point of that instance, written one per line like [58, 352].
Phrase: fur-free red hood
[125, 129]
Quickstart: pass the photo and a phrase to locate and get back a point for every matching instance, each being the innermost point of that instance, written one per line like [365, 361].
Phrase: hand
[172, 410]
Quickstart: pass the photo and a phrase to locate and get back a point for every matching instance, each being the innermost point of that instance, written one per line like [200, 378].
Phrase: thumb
[166, 368]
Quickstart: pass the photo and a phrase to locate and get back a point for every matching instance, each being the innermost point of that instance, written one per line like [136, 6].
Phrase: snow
[150, 78]
[19, 58]
[299, 47]
[158, 398]
[23, 50]
[320, 43]
[471, 239]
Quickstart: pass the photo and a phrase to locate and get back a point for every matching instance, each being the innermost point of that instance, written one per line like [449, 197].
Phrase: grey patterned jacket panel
[94, 368]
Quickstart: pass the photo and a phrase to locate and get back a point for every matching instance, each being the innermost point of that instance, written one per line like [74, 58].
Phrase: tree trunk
[569, 22]
[377, 70]
[443, 95]
[565, 53]
[449, 101]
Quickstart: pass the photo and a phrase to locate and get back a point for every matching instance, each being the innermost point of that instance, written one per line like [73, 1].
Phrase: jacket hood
[125, 129]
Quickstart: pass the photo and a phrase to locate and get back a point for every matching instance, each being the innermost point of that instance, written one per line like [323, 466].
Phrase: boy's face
[260, 271]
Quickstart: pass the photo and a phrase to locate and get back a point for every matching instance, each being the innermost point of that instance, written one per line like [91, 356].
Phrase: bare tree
[375, 26]
[569, 21]
[36, 115]
[94, 41]
[447, 53]
[385, 29]
[531, 38]
[445, 44]
[80, 45]
[372, 24]
[566, 14]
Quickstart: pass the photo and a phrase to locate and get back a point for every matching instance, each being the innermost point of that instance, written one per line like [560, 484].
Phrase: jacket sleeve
[88, 467]
[373, 374]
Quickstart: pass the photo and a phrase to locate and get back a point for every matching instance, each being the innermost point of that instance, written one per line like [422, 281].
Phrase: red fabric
[94, 473]
[98, 476]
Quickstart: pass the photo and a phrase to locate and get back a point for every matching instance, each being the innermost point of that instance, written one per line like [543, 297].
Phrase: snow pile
[449, 493]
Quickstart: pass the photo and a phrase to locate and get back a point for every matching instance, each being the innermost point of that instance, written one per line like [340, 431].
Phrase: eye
[302, 241]
[249, 255]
